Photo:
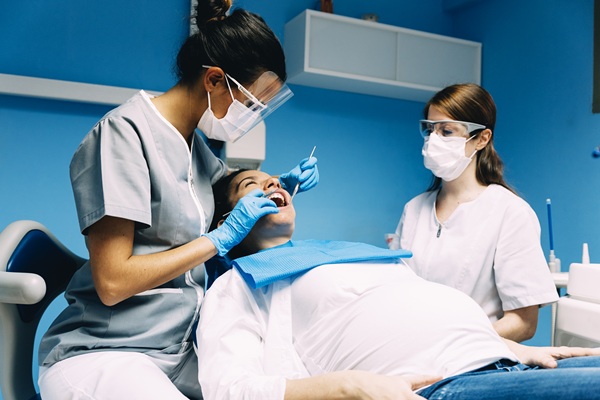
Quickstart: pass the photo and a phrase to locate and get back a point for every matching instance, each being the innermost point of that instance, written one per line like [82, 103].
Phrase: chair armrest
[21, 288]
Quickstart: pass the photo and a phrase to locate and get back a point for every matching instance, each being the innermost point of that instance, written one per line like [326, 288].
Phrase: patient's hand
[379, 387]
[546, 357]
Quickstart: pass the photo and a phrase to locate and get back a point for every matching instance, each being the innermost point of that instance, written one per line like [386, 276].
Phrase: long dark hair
[221, 191]
[472, 103]
[240, 43]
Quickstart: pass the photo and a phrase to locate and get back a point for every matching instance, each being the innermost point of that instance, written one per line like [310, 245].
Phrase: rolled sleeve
[522, 275]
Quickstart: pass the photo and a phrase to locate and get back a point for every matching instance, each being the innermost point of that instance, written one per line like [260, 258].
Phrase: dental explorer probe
[298, 184]
[264, 195]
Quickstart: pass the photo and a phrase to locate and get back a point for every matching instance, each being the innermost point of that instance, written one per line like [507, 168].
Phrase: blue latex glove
[240, 221]
[306, 173]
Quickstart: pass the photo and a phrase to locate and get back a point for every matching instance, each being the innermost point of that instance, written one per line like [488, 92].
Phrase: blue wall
[537, 63]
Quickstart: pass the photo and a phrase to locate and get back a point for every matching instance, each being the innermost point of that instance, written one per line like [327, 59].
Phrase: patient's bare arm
[356, 385]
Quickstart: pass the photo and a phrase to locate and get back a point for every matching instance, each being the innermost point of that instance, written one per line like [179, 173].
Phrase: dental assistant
[142, 184]
[470, 230]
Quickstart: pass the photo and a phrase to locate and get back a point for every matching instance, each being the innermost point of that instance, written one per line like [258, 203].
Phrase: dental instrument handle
[298, 184]
[553, 261]
[549, 208]
[585, 256]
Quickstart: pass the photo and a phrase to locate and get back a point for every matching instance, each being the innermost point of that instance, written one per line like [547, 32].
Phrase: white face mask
[445, 156]
[235, 124]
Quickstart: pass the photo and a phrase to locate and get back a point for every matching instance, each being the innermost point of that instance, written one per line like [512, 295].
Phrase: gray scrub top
[135, 165]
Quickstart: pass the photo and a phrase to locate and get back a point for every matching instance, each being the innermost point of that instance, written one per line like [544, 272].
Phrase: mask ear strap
[209, 107]
[475, 152]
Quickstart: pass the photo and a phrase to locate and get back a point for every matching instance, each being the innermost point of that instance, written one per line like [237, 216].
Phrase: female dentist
[470, 230]
[142, 183]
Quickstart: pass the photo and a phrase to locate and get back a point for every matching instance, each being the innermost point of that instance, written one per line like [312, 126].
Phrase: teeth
[278, 199]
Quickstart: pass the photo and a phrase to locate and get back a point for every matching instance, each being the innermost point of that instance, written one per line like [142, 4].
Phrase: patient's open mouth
[278, 199]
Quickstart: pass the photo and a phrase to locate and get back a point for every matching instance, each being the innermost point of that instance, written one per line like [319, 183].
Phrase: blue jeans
[575, 378]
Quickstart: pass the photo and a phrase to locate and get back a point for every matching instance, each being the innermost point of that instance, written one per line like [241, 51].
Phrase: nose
[272, 183]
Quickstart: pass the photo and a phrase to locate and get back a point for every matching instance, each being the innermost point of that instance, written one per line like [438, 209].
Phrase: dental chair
[34, 269]
[578, 313]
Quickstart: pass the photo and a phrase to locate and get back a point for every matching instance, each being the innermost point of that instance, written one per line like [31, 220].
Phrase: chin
[284, 220]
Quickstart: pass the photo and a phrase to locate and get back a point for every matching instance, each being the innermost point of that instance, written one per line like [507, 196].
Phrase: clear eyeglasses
[447, 127]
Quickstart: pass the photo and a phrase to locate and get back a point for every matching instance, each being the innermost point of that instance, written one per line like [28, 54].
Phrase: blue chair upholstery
[34, 269]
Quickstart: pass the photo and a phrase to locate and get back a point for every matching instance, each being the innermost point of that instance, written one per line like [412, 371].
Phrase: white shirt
[376, 317]
[489, 248]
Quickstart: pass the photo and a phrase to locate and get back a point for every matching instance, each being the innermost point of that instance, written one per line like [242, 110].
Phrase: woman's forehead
[435, 114]
[249, 175]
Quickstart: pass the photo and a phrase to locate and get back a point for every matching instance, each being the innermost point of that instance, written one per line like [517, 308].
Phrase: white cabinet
[334, 52]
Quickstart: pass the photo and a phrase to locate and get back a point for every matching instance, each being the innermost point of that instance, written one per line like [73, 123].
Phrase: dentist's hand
[306, 173]
[240, 221]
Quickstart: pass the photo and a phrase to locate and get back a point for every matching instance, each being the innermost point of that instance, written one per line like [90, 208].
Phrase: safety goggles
[264, 96]
[447, 127]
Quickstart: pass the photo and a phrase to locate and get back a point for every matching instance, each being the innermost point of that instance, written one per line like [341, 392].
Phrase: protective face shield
[238, 121]
[445, 156]
[265, 95]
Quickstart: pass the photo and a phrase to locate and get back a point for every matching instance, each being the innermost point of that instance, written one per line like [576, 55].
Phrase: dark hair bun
[211, 10]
